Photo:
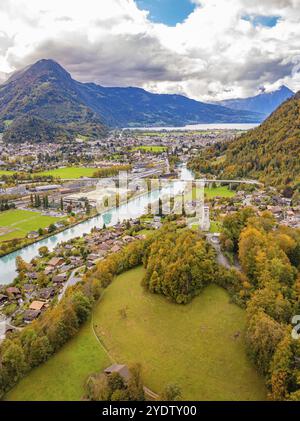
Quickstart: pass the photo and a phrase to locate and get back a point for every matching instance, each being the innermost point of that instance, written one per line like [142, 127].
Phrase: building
[56, 262]
[204, 222]
[121, 369]
[37, 305]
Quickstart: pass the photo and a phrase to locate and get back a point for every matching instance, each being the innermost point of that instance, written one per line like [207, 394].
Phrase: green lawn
[222, 191]
[6, 172]
[63, 377]
[70, 172]
[16, 223]
[190, 345]
[210, 193]
[155, 149]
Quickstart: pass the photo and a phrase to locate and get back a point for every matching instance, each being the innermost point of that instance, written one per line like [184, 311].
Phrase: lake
[211, 126]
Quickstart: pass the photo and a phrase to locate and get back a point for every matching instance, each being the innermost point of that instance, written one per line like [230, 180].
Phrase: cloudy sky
[205, 49]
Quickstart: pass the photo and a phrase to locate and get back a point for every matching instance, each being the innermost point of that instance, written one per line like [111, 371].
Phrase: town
[65, 192]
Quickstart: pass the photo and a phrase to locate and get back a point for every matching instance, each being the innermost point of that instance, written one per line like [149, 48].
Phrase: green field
[63, 377]
[222, 191]
[17, 223]
[70, 172]
[190, 345]
[210, 193]
[154, 149]
[6, 172]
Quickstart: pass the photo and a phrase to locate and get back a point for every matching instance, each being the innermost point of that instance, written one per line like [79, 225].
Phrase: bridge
[214, 180]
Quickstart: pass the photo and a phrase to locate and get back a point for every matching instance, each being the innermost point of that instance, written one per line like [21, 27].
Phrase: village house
[28, 289]
[32, 275]
[37, 305]
[33, 235]
[60, 279]
[48, 270]
[121, 369]
[3, 298]
[115, 249]
[30, 315]
[46, 293]
[56, 262]
[13, 292]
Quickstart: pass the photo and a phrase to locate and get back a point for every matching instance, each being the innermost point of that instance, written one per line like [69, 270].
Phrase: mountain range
[269, 152]
[46, 94]
[264, 103]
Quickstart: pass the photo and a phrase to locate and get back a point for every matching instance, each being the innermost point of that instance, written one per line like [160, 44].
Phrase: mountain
[31, 127]
[47, 91]
[269, 152]
[264, 103]
[135, 107]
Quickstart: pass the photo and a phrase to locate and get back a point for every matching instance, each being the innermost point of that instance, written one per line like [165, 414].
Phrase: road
[73, 280]
[221, 258]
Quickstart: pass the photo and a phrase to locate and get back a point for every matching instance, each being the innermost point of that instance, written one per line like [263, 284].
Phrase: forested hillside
[269, 152]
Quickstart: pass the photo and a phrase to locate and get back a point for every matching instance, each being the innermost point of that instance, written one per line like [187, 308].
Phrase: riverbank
[135, 208]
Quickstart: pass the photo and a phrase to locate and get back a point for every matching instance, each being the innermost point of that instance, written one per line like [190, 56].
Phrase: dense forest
[270, 259]
[269, 152]
[35, 129]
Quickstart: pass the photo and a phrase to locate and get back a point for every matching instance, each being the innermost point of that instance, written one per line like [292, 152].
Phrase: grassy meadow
[69, 172]
[193, 346]
[16, 223]
[6, 172]
[63, 377]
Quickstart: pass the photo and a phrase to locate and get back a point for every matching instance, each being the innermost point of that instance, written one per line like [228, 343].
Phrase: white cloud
[213, 54]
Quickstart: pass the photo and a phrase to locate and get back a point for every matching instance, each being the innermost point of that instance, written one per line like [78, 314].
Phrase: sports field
[16, 223]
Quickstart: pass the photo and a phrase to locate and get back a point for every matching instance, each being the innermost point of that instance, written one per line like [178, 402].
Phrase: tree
[82, 306]
[51, 228]
[262, 337]
[135, 383]
[42, 280]
[13, 360]
[171, 392]
[43, 251]
[251, 242]
[21, 265]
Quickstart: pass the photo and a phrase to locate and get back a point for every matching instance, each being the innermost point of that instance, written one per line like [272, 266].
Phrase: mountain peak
[42, 67]
[284, 88]
[265, 102]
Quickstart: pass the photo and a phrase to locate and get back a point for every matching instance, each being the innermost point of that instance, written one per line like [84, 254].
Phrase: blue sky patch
[169, 12]
[269, 21]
